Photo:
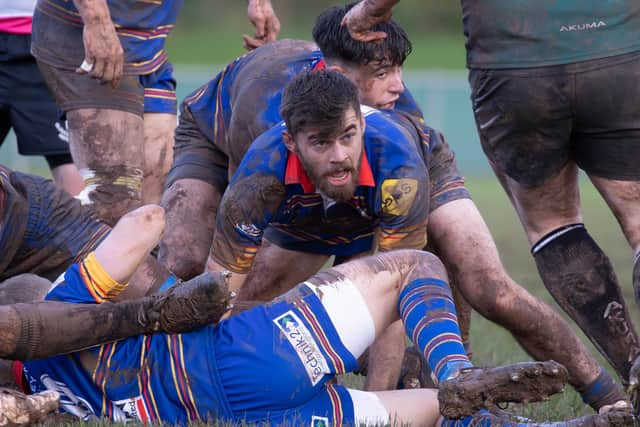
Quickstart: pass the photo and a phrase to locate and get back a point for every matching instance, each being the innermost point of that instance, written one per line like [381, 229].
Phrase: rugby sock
[581, 279]
[429, 316]
[601, 391]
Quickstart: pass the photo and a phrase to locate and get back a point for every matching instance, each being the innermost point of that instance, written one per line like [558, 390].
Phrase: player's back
[243, 100]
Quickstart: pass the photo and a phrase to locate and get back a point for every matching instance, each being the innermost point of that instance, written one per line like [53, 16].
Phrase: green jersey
[533, 33]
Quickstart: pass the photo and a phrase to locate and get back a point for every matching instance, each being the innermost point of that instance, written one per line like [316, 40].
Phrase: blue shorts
[274, 362]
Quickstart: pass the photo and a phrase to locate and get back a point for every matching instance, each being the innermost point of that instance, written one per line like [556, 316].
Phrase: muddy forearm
[93, 11]
[379, 7]
[46, 328]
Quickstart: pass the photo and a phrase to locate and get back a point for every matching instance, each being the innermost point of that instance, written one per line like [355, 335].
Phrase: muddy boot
[415, 372]
[18, 409]
[477, 388]
[609, 419]
[188, 305]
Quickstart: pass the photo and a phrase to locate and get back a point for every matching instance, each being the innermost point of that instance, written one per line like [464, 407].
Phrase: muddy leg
[107, 148]
[158, 154]
[191, 206]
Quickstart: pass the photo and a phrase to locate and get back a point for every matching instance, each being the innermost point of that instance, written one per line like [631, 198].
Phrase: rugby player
[273, 364]
[43, 230]
[34, 330]
[26, 105]
[121, 134]
[331, 182]
[576, 64]
[220, 120]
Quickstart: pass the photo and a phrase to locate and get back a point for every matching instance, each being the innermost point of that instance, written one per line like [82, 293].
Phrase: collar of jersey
[295, 173]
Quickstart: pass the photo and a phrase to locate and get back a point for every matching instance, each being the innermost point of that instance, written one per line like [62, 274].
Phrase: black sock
[581, 279]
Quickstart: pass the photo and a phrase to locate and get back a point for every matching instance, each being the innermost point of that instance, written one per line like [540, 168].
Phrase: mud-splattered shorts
[150, 93]
[43, 230]
[533, 121]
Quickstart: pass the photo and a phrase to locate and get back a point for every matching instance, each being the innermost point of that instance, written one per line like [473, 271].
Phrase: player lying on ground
[43, 230]
[274, 362]
[221, 119]
[34, 330]
[538, 50]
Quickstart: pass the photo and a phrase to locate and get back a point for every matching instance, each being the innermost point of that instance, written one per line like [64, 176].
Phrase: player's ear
[363, 123]
[337, 68]
[288, 141]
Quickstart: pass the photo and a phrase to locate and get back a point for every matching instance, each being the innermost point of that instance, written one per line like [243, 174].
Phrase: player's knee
[423, 265]
[148, 219]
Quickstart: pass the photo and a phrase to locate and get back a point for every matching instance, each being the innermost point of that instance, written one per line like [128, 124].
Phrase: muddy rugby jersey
[142, 27]
[527, 33]
[391, 198]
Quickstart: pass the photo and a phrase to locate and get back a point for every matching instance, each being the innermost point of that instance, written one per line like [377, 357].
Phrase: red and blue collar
[295, 173]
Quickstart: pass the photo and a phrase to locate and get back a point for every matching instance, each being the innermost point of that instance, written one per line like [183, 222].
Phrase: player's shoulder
[267, 154]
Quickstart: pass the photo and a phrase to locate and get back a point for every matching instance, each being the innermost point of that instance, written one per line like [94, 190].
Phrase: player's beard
[342, 193]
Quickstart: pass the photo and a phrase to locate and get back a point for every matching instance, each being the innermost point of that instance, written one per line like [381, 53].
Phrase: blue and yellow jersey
[391, 200]
[146, 378]
[142, 26]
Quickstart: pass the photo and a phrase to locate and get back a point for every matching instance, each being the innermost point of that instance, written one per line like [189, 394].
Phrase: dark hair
[335, 42]
[318, 99]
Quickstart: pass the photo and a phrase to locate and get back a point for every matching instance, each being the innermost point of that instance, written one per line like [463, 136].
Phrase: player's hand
[359, 22]
[263, 17]
[18, 409]
[103, 54]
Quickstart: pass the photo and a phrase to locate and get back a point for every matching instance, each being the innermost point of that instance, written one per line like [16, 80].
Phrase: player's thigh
[524, 121]
[607, 135]
[159, 128]
[551, 205]
[278, 356]
[623, 198]
[190, 206]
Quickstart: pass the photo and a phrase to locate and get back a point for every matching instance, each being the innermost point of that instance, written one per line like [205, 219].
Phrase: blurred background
[208, 36]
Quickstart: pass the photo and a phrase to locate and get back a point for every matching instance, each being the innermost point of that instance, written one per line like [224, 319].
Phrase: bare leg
[573, 268]
[385, 359]
[107, 148]
[158, 154]
[191, 206]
